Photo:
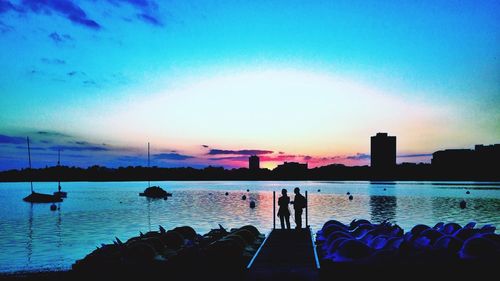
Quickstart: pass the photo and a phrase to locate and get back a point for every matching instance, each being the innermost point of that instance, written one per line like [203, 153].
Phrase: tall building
[254, 162]
[383, 151]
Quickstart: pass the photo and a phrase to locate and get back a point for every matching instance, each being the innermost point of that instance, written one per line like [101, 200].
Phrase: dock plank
[286, 255]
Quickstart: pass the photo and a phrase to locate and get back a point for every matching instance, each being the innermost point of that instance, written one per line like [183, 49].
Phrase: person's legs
[298, 218]
[282, 222]
[287, 218]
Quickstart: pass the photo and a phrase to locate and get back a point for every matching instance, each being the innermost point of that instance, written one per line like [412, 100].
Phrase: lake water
[34, 238]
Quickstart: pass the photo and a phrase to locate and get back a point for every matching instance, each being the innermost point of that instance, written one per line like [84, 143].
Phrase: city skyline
[212, 83]
[246, 158]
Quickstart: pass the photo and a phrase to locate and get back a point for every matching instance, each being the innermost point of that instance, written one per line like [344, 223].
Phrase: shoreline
[387, 181]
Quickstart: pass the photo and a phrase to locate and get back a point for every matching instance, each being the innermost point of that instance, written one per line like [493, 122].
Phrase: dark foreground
[360, 250]
[345, 272]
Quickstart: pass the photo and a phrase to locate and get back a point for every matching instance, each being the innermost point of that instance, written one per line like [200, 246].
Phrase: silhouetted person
[283, 211]
[299, 203]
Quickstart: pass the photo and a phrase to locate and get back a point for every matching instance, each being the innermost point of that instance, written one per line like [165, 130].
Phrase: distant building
[254, 162]
[487, 154]
[291, 167]
[452, 157]
[479, 157]
[383, 151]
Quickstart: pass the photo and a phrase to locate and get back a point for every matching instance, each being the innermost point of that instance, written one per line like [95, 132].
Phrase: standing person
[283, 211]
[299, 203]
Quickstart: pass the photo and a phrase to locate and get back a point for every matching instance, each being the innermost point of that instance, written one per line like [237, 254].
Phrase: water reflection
[33, 237]
[383, 208]
[58, 229]
[29, 242]
[148, 205]
[480, 210]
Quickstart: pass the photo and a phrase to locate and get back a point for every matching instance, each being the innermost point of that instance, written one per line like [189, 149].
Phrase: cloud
[147, 18]
[359, 156]
[53, 61]
[52, 134]
[79, 148]
[74, 73]
[90, 83]
[147, 10]
[60, 38]
[240, 152]
[6, 6]
[140, 3]
[31, 148]
[332, 158]
[34, 72]
[232, 158]
[11, 140]
[171, 156]
[279, 158]
[66, 8]
[4, 28]
[204, 145]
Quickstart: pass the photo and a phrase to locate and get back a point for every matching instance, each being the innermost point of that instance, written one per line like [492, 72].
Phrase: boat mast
[149, 178]
[59, 168]
[29, 159]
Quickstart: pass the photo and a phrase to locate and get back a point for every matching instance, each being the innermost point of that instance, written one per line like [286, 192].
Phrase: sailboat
[154, 191]
[59, 193]
[36, 197]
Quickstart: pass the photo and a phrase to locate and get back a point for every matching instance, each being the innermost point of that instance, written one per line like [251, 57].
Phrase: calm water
[32, 237]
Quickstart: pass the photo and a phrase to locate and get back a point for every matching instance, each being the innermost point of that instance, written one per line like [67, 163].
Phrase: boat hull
[61, 194]
[42, 198]
[155, 192]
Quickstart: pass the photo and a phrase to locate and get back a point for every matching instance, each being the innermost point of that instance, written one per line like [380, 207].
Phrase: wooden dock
[285, 255]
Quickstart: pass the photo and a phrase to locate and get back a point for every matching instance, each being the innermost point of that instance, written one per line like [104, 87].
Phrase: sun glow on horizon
[281, 109]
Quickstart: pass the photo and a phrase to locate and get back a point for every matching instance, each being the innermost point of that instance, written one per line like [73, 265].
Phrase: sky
[213, 82]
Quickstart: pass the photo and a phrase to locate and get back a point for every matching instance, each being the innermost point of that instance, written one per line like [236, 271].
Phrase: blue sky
[311, 79]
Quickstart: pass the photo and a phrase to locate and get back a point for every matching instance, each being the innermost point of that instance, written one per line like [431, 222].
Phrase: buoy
[463, 204]
[244, 197]
[53, 207]
[467, 192]
[348, 193]
[385, 189]
[252, 204]
[248, 190]
[227, 193]
[350, 197]
[319, 190]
